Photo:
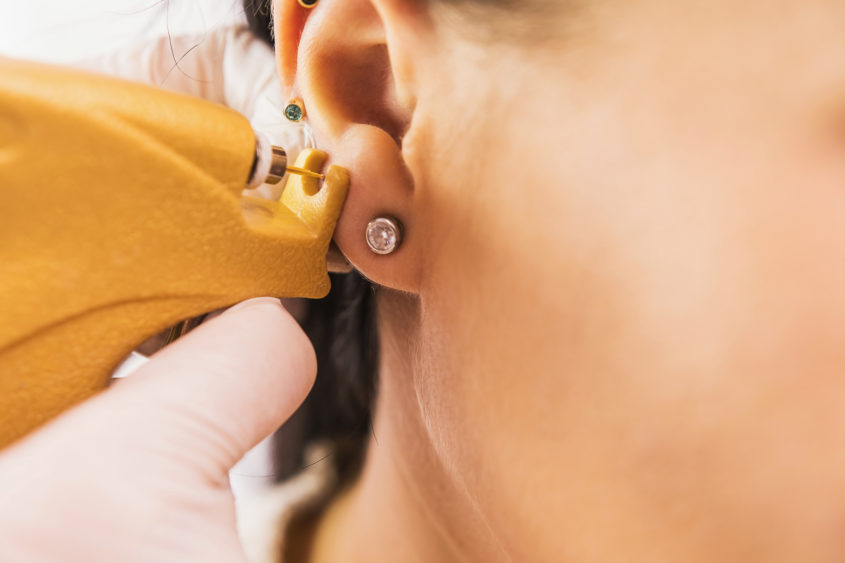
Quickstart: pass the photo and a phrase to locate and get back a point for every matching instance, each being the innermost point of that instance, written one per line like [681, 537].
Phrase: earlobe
[347, 84]
[380, 187]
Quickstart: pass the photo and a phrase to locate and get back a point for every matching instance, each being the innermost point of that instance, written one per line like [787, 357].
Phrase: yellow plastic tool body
[121, 213]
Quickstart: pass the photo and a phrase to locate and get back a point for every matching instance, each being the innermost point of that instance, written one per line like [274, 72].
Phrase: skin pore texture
[613, 331]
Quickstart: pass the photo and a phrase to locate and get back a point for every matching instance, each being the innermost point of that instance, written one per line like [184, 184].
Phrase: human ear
[338, 59]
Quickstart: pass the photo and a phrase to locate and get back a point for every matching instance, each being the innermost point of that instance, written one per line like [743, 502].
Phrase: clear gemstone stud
[384, 235]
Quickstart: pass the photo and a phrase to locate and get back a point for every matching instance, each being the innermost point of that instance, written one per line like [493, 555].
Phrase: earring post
[303, 172]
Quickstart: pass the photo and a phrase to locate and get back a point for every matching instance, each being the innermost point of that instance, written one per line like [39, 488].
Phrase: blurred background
[64, 31]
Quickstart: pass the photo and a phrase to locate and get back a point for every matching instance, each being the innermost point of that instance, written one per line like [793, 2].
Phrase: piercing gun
[124, 213]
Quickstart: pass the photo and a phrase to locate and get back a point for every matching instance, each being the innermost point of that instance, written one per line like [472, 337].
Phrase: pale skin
[613, 331]
[619, 336]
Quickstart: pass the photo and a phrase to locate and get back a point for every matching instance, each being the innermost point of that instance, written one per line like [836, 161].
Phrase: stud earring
[307, 3]
[384, 234]
[295, 113]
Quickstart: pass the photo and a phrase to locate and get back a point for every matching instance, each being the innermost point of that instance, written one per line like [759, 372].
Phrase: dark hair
[337, 412]
[342, 328]
[259, 17]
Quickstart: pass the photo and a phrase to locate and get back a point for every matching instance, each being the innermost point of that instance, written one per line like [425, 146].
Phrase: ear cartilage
[384, 234]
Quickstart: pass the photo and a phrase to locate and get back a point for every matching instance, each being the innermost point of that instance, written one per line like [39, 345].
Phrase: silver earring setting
[384, 234]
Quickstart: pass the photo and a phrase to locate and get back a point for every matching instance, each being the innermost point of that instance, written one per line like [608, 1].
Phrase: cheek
[659, 366]
[724, 422]
[729, 362]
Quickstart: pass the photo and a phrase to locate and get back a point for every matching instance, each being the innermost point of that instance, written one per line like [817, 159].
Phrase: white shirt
[227, 65]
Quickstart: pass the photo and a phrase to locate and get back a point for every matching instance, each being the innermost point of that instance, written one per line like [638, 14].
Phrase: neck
[404, 506]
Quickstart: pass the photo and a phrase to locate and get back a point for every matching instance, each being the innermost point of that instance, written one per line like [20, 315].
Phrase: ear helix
[383, 234]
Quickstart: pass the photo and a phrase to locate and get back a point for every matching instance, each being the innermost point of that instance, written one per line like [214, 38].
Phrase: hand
[140, 472]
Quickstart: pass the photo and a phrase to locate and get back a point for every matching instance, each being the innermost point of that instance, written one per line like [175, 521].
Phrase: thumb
[223, 387]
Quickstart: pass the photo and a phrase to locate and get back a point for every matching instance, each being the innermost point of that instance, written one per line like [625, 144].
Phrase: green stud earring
[294, 111]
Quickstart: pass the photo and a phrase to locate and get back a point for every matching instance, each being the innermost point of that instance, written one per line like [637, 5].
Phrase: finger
[223, 387]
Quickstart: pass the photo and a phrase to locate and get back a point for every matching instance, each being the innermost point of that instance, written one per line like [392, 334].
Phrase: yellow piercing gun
[122, 213]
